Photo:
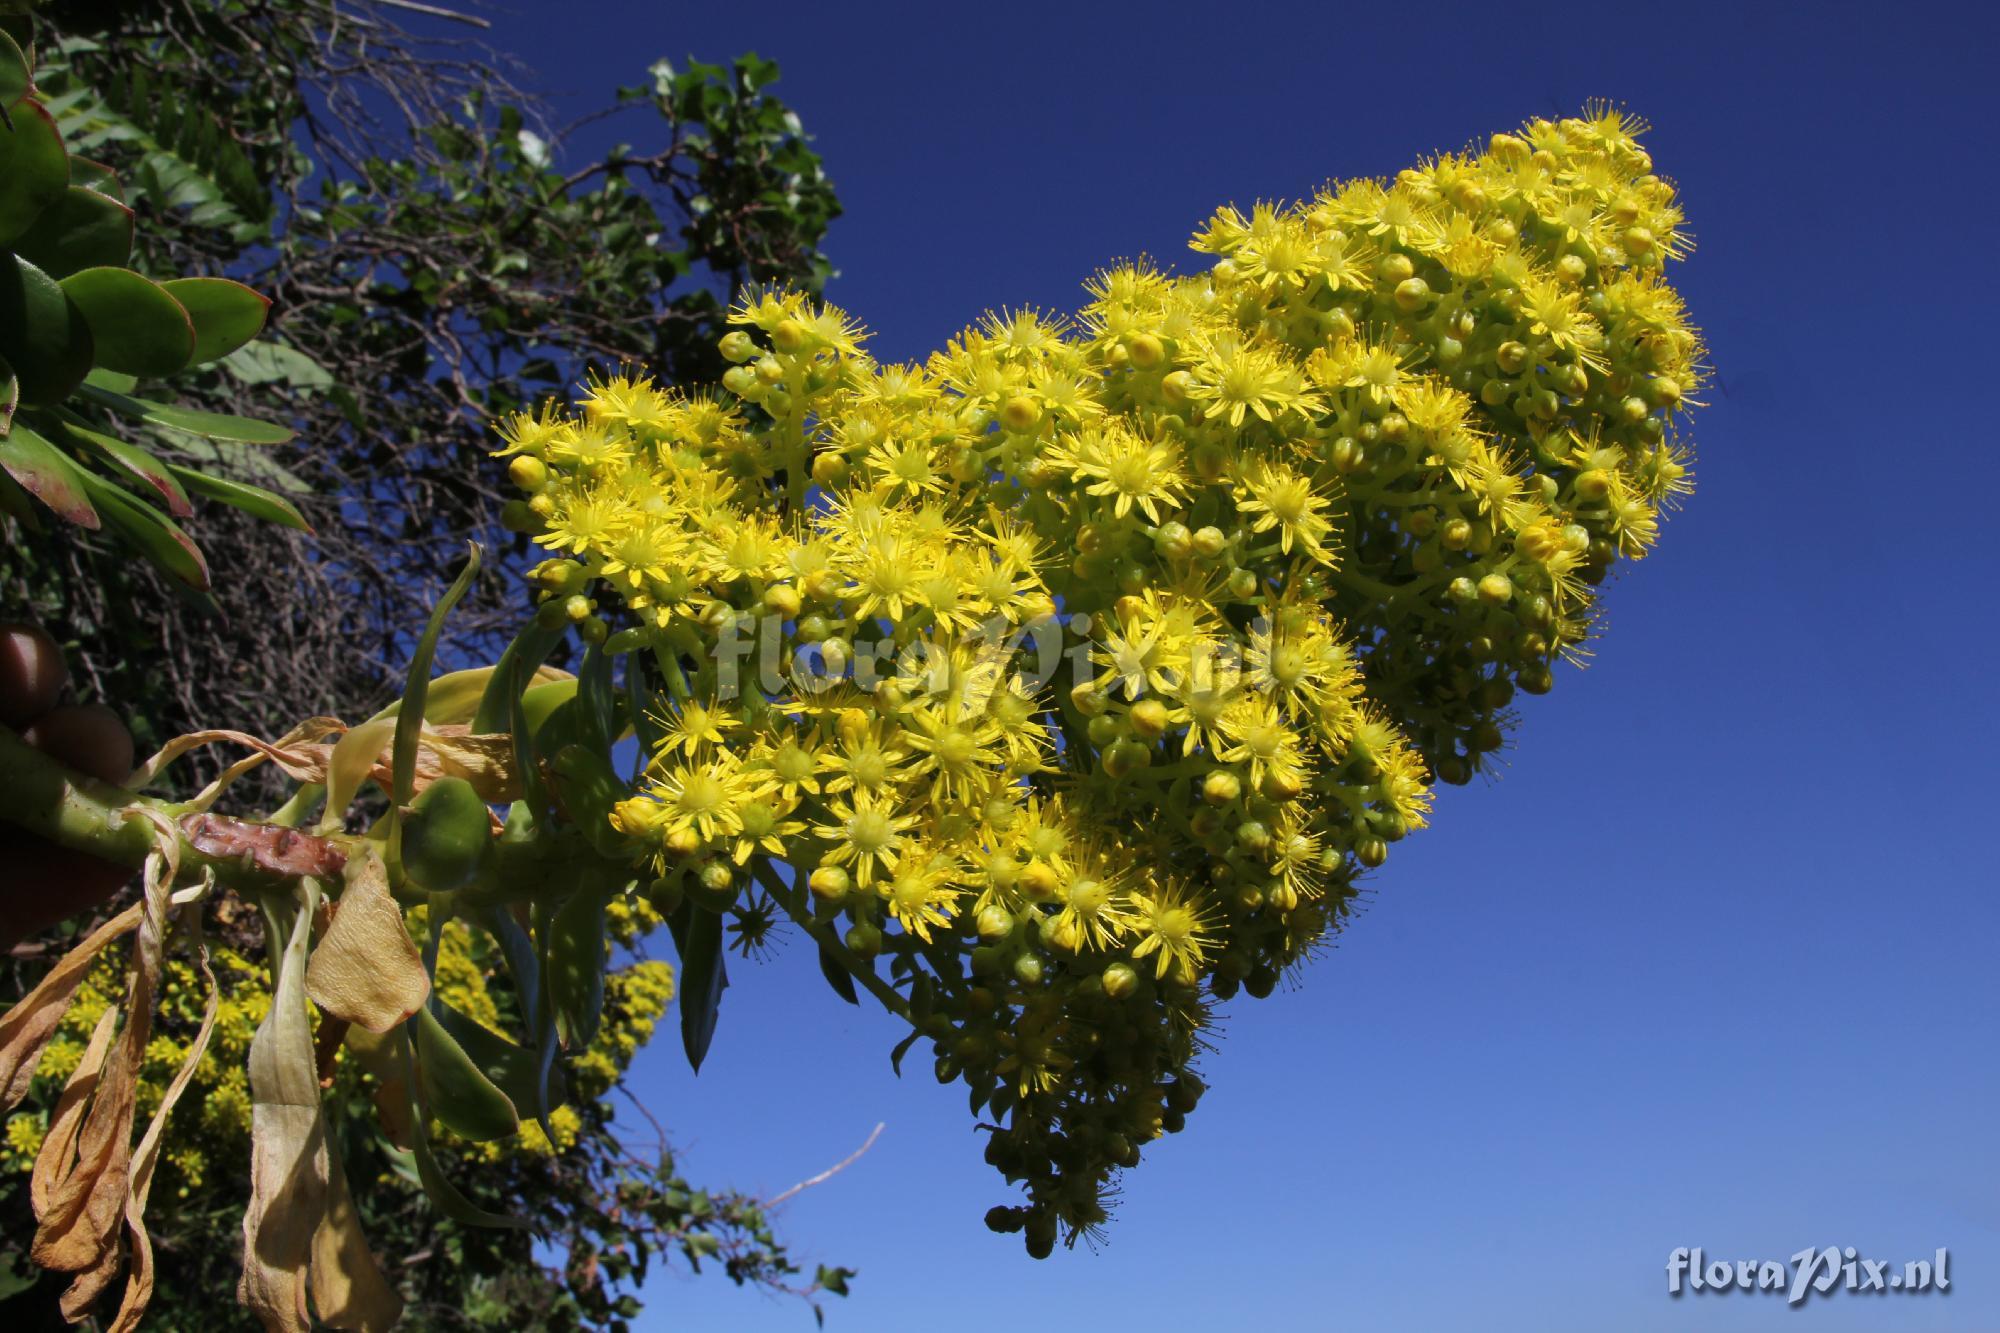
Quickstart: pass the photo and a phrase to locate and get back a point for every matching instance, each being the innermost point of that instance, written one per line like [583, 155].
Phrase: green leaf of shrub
[252, 500]
[45, 472]
[153, 533]
[32, 163]
[83, 229]
[210, 425]
[225, 314]
[136, 326]
[42, 333]
[133, 461]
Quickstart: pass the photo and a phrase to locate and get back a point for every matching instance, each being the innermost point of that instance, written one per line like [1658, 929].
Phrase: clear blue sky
[1714, 962]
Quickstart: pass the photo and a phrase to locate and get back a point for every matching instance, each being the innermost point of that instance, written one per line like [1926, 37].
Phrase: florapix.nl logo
[1812, 1271]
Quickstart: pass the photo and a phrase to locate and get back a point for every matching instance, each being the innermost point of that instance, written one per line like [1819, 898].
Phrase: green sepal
[135, 325]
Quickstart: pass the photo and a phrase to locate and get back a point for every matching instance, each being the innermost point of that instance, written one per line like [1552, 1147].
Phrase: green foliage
[428, 266]
[73, 314]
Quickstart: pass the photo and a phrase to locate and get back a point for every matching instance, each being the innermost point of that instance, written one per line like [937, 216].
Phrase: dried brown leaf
[288, 1163]
[25, 1029]
[348, 1288]
[366, 969]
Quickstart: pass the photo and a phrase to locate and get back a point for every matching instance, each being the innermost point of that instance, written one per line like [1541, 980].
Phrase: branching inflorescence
[1054, 688]
[1081, 669]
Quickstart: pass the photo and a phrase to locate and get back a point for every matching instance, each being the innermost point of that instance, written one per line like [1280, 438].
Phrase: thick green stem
[63, 806]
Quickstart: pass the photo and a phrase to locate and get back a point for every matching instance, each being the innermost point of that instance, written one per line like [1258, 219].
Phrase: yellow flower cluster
[1083, 666]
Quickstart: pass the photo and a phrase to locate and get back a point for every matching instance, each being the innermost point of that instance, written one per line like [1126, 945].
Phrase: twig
[437, 12]
[833, 1170]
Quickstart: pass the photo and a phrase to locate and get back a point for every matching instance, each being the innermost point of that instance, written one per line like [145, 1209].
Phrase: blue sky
[1713, 963]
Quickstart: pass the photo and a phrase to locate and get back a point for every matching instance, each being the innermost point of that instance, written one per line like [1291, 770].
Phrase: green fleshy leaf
[437, 1186]
[15, 76]
[133, 461]
[112, 380]
[42, 333]
[32, 163]
[81, 230]
[225, 314]
[95, 176]
[14, 503]
[47, 473]
[698, 939]
[573, 967]
[137, 327]
[252, 500]
[509, 1066]
[837, 976]
[460, 1094]
[416, 684]
[154, 534]
[210, 425]
[10, 396]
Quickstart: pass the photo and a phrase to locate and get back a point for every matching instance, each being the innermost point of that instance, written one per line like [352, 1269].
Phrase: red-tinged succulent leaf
[83, 229]
[134, 462]
[154, 534]
[208, 425]
[252, 500]
[33, 164]
[45, 472]
[136, 326]
[96, 176]
[42, 333]
[225, 314]
[10, 395]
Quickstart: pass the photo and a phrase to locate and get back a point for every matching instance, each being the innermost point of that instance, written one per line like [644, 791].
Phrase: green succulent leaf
[47, 473]
[252, 500]
[32, 163]
[15, 76]
[10, 396]
[136, 325]
[437, 1186]
[83, 229]
[460, 1094]
[209, 425]
[133, 461]
[154, 534]
[96, 176]
[112, 380]
[225, 314]
[43, 334]
[698, 939]
[510, 1067]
